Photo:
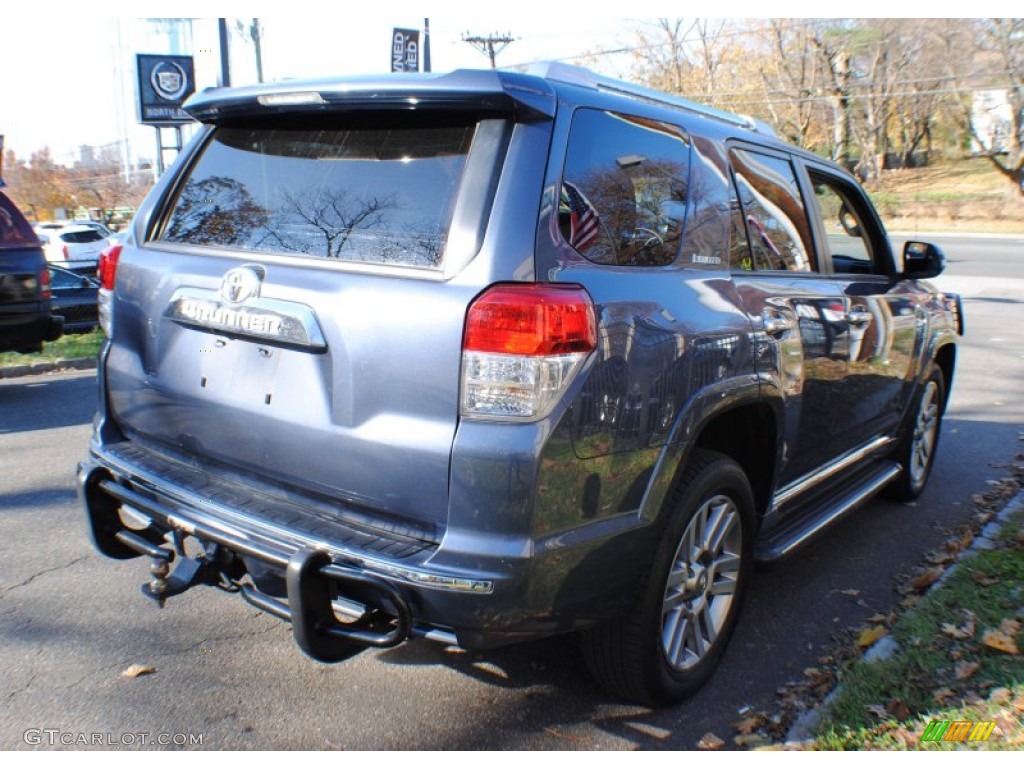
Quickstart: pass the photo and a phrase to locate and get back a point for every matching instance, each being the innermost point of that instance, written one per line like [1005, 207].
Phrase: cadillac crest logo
[169, 80]
[242, 283]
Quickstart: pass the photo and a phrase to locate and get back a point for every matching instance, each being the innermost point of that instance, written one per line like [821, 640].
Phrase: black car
[25, 317]
[75, 299]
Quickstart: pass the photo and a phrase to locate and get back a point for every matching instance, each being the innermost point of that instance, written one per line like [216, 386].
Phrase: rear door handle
[776, 324]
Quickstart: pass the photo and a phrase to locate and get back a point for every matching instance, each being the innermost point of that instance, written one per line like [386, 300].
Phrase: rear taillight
[66, 252]
[44, 284]
[522, 347]
[107, 271]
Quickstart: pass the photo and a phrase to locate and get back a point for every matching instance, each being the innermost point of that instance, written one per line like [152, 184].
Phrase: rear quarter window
[14, 230]
[376, 194]
[624, 189]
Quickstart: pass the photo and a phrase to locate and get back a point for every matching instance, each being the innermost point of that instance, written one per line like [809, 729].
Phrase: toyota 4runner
[487, 356]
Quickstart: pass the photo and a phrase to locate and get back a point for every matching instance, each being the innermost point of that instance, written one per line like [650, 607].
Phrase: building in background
[992, 121]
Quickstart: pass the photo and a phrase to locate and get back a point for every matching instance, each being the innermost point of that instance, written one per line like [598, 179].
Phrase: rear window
[374, 194]
[14, 230]
[85, 236]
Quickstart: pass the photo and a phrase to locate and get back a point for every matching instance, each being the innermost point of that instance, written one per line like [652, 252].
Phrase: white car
[75, 247]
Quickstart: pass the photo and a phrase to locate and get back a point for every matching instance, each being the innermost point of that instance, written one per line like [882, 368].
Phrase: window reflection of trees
[322, 222]
[637, 227]
[375, 195]
[215, 211]
[331, 224]
[774, 212]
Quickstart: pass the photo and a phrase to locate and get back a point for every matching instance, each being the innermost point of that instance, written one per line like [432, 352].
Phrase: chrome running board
[793, 534]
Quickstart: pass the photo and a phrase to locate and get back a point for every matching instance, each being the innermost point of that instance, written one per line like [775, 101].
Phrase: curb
[73, 364]
[806, 726]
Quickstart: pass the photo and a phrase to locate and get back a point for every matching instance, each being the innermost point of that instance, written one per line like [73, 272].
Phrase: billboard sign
[164, 82]
[405, 50]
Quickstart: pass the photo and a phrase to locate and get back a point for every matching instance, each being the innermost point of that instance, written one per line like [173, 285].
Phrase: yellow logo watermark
[957, 730]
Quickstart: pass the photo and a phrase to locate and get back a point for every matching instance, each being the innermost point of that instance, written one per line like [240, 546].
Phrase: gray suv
[488, 356]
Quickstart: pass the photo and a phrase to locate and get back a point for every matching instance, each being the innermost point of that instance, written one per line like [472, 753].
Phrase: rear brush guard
[312, 579]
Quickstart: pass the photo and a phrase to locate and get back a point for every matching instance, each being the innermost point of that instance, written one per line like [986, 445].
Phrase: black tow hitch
[190, 571]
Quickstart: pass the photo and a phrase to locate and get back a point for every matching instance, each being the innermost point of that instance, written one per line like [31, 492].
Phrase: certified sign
[164, 82]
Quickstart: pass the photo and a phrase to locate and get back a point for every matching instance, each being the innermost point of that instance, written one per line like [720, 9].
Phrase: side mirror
[922, 260]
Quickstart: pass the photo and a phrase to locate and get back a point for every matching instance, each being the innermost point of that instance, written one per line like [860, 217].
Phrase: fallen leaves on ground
[927, 577]
[942, 694]
[870, 635]
[898, 708]
[877, 710]
[965, 669]
[138, 670]
[1009, 626]
[749, 724]
[963, 631]
[710, 741]
[940, 557]
[1000, 641]
[983, 579]
[1000, 696]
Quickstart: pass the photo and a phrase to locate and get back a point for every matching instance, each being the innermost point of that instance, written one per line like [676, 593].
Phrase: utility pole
[491, 45]
[256, 32]
[225, 68]
[426, 45]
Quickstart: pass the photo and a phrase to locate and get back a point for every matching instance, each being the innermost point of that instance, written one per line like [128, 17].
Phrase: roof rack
[574, 75]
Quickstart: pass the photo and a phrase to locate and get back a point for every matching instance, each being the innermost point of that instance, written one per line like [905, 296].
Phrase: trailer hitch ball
[159, 569]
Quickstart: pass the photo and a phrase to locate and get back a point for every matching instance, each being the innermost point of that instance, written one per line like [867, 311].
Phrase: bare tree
[39, 186]
[1001, 41]
[793, 73]
[102, 185]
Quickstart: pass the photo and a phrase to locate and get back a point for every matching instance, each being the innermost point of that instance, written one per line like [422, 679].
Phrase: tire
[920, 439]
[674, 637]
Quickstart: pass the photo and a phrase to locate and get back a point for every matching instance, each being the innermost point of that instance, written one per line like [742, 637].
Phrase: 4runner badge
[241, 284]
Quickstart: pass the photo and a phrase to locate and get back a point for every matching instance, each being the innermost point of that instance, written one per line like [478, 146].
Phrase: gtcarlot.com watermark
[54, 737]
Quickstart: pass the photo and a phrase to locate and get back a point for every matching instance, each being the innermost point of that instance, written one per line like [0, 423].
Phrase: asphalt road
[71, 621]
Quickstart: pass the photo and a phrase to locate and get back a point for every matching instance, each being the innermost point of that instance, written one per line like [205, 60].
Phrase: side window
[843, 226]
[624, 185]
[773, 212]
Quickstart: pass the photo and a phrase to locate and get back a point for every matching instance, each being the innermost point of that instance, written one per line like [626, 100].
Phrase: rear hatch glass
[377, 194]
[84, 236]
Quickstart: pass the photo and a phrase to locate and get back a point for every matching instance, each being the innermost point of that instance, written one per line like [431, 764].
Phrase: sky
[62, 90]
[62, 84]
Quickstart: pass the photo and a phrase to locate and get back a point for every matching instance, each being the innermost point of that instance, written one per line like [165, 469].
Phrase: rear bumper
[22, 328]
[275, 537]
[461, 589]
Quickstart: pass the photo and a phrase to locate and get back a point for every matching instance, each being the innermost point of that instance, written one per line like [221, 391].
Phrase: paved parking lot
[72, 621]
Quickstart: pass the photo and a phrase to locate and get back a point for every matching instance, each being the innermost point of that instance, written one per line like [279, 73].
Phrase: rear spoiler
[478, 91]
